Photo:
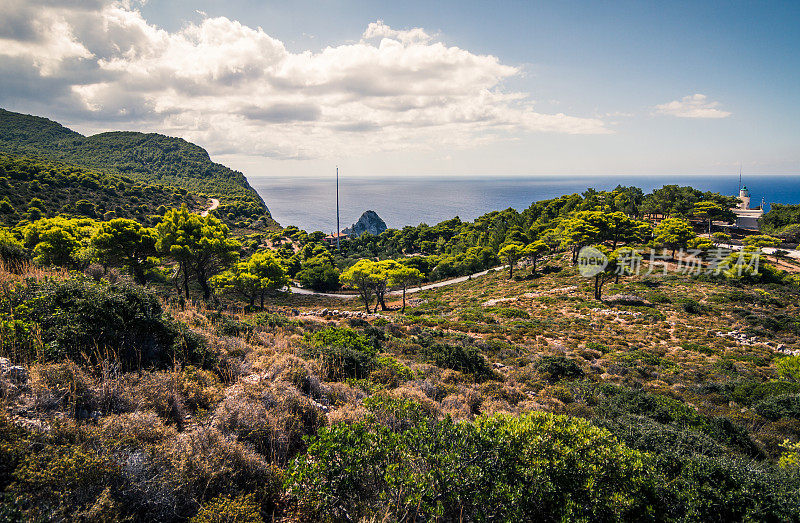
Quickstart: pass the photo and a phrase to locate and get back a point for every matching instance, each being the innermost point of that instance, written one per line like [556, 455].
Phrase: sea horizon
[310, 202]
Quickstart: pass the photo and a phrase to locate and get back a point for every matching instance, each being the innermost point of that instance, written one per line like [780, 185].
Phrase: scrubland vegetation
[154, 368]
[546, 404]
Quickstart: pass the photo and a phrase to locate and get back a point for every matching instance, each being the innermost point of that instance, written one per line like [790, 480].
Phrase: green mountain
[149, 159]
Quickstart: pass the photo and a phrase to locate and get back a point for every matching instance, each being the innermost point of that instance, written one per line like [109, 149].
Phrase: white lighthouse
[747, 218]
[744, 198]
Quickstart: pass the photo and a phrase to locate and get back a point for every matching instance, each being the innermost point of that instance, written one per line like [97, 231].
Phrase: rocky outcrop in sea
[369, 222]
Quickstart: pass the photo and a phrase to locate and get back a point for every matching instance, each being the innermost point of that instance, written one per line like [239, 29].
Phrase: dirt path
[214, 205]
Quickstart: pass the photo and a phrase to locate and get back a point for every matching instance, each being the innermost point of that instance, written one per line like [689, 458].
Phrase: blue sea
[310, 203]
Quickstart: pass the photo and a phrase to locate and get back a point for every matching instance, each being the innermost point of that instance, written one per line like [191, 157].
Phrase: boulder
[627, 299]
[15, 373]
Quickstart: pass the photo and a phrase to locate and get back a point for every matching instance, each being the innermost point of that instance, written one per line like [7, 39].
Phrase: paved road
[791, 253]
[298, 290]
[214, 205]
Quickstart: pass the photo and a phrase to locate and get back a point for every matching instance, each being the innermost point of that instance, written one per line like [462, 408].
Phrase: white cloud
[692, 106]
[380, 30]
[235, 89]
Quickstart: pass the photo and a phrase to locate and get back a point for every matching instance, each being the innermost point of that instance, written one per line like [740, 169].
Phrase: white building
[746, 218]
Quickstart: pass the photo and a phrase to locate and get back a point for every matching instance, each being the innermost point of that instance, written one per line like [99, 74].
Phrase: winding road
[214, 205]
[443, 283]
[790, 253]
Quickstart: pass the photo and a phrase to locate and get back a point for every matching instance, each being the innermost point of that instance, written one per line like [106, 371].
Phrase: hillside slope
[151, 159]
[32, 189]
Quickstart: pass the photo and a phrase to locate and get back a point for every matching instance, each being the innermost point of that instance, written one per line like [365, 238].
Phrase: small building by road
[747, 218]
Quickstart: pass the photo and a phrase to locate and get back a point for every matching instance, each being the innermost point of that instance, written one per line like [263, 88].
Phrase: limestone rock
[369, 222]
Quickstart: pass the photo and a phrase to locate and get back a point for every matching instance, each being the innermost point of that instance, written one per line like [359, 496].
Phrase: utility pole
[337, 207]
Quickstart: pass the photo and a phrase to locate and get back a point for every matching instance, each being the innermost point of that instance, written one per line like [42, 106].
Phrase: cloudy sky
[422, 88]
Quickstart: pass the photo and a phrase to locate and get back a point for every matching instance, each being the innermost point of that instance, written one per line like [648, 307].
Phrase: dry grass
[246, 416]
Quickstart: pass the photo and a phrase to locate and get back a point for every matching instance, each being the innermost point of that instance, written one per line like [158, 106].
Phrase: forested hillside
[783, 221]
[148, 159]
[31, 189]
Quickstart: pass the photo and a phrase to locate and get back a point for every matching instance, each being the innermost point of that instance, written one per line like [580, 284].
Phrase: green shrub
[320, 274]
[648, 435]
[593, 345]
[658, 297]
[271, 320]
[390, 372]
[229, 326]
[60, 483]
[510, 312]
[654, 406]
[5, 205]
[620, 402]
[767, 323]
[723, 489]
[80, 318]
[693, 306]
[789, 367]
[12, 252]
[749, 392]
[345, 353]
[394, 412]
[466, 359]
[533, 467]
[780, 406]
[557, 368]
[475, 316]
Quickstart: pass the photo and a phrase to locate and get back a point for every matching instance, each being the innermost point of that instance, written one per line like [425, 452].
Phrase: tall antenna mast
[740, 176]
[337, 207]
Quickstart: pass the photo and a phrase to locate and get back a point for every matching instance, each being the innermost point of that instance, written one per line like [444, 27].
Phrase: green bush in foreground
[80, 319]
[400, 464]
[533, 467]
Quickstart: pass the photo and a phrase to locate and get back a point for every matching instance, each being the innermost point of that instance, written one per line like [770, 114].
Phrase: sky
[422, 88]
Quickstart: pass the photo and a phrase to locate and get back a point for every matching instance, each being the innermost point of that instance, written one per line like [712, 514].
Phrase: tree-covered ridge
[21, 130]
[32, 189]
[146, 158]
